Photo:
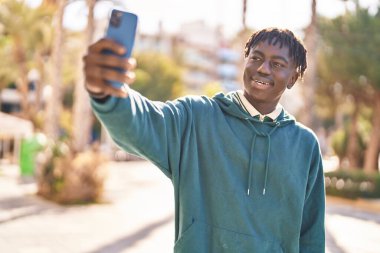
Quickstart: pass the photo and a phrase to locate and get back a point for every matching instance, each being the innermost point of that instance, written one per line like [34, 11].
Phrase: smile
[262, 83]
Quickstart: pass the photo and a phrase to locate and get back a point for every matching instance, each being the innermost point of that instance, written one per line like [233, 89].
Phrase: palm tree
[309, 117]
[54, 103]
[82, 113]
[83, 117]
[373, 148]
[23, 36]
[7, 72]
[360, 77]
[244, 14]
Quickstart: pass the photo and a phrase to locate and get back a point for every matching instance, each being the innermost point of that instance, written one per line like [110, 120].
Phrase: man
[247, 177]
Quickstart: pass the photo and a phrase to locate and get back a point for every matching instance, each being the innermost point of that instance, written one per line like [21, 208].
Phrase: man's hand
[99, 69]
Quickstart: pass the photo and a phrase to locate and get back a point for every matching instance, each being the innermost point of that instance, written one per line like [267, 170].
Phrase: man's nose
[264, 68]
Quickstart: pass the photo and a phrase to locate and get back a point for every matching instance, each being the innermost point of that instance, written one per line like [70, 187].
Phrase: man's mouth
[262, 82]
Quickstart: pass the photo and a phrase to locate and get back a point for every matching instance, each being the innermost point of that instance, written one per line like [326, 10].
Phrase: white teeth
[257, 81]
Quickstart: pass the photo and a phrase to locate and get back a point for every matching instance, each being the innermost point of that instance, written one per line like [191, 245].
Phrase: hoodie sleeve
[312, 238]
[149, 129]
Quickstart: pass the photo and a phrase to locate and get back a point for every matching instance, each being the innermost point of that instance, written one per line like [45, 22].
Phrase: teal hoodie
[240, 185]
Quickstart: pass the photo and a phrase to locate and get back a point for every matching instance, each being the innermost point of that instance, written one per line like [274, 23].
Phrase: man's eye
[255, 58]
[277, 65]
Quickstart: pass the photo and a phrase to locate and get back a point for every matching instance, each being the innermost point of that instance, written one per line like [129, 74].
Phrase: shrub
[352, 184]
[339, 143]
[69, 178]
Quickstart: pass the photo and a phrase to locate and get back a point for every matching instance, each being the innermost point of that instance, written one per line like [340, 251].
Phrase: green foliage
[339, 139]
[339, 143]
[352, 184]
[348, 60]
[348, 69]
[24, 32]
[158, 77]
[7, 72]
[30, 27]
[210, 89]
[349, 52]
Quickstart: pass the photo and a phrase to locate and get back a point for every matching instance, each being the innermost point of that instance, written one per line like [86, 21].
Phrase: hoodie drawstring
[250, 164]
[267, 135]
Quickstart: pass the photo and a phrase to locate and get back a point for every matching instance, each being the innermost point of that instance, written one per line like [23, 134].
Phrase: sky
[291, 14]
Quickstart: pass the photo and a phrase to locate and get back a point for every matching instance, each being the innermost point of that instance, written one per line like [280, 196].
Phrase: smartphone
[122, 29]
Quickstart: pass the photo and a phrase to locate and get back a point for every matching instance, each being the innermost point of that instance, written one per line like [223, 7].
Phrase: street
[350, 230]
[136, 216]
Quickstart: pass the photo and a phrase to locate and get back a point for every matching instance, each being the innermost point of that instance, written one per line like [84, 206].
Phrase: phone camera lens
[116, 18]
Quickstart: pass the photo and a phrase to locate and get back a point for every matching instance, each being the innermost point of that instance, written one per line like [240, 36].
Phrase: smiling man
[246, 176]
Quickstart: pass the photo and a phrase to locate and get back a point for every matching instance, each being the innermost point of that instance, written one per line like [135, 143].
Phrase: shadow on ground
[128, 241]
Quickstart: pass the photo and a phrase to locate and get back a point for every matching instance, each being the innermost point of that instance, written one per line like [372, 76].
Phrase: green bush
[339, 143]
[71, 178]
[352, 184]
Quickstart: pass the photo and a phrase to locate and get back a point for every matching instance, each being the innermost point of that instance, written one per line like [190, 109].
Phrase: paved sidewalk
[137, 217]
[350, 229]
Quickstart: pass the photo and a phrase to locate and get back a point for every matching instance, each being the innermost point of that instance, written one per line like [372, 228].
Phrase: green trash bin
[28, 152]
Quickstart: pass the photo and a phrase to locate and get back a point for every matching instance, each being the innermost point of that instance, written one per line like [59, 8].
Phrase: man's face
[268, 72]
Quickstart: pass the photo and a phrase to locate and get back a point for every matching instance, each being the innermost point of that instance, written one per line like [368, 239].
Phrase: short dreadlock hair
[286, 38]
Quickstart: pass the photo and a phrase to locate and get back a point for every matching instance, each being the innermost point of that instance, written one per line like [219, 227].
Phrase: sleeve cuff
[101, 100]
[104, 105]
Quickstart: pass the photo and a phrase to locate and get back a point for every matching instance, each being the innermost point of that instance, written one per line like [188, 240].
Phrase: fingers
[110, 61]
[101, 73]
[130, 77]
[96, 81]
[106, 44]
[100, 68]
[104, 88]
[131, 62]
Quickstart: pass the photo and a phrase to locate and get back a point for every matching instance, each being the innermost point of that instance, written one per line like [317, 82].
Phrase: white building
[204, 54]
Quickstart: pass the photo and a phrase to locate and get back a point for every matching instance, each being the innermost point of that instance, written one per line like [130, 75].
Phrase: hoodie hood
[228, 104]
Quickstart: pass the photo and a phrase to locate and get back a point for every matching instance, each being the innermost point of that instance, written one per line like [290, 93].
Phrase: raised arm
[150, 129]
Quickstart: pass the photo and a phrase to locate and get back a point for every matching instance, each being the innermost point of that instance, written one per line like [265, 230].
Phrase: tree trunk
[52, 125]
[39, 83]
[244, 14]
[38, 103]
[352, 146]
[310, 79]
[83, 116]
[372, 151]
[22, 83]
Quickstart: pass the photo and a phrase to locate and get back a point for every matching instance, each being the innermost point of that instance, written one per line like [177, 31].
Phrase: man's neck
[262, 108]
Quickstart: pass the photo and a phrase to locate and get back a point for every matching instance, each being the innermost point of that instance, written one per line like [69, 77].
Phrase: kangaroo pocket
[204, 238]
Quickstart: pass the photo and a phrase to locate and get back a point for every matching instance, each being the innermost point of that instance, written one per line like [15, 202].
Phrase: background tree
[7, 70]
[25, 34]
[54, 103]
[350, 57]
[158, 77]
[310, 78]
[244, 14]
[373, 149]
[82, 114]
[212, 88]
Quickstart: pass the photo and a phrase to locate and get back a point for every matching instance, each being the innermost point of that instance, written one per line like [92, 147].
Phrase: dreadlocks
[286, 38]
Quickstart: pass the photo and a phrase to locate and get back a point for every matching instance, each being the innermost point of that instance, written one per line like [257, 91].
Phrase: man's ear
[293, 80]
